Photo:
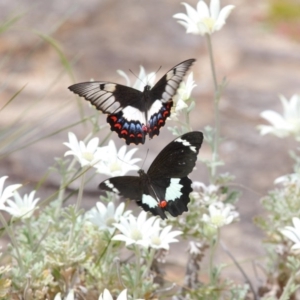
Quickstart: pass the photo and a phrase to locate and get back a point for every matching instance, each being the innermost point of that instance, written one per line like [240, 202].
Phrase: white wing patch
[186, 143]
[150, 201]
[111, 186]
[133, 114]
[155, 108]
[174, 190]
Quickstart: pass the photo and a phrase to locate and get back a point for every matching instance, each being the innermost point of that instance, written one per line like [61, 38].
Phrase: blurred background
[48, 45]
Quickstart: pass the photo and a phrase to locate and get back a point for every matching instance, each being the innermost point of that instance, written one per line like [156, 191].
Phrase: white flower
[136, 230]
[184, 93]
[288, 179]
[116, 163]
[203, 20]
[87, 155]
[195, 248]
[204, 194]
[161, 240]
[293, 233]
[286, 124]
[106, 295]
[220, 214]
[7, 192]
[106, 216]
[70, 296]
[143, 79]
[22, 208]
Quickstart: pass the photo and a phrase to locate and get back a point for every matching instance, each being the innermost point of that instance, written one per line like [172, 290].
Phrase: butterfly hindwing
[131, 113]
[173, 195]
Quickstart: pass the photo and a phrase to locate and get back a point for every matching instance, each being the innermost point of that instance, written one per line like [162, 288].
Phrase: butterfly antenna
[137, 77]
[145, 159]
[155, 72]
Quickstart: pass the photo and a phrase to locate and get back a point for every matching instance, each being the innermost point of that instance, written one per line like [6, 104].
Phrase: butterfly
[165, 187]
[131, 113]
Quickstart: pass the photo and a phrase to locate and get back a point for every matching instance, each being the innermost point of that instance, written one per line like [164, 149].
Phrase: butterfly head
[147, 88]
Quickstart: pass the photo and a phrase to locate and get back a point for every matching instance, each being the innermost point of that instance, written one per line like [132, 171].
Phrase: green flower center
[136, 234]
[217, 220]
[110, 221]
[88, 156]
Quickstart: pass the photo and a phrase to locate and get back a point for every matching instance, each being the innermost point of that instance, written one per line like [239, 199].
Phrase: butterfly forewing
[132, 113]
[167, 86]
[178, 158]
[127, 186]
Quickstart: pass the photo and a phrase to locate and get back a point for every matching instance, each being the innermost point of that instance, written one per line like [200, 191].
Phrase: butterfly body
[132, 113]
[165, 187]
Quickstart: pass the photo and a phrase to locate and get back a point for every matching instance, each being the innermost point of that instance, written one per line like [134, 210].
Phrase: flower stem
[13, 240]
[213, 247]
[287, 289]
[137, 271]
[215, 146]
[80, 191]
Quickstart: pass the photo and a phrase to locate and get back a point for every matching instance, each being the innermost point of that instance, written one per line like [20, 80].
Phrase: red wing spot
[131, 135]
[118, 126]
[162, 203]
[160, 122]
[144, 128]
[114, 118]
[165, 113]
[155, 128]
[124, 132]
[140, 135]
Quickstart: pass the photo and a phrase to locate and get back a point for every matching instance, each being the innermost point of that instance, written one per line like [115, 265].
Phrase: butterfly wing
[168, 194]
[161, 96]
[126, 111]
[127, 186]
[178, 158]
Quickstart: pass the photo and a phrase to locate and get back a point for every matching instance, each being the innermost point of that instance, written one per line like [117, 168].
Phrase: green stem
[286, 292]
[149, 262]
[215, 146]
[213, 247]
[13, 241]
[137, 271]
[80, 191]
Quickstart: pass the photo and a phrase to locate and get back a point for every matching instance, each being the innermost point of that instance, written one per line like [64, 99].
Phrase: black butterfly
[131, 113]
[165, 187]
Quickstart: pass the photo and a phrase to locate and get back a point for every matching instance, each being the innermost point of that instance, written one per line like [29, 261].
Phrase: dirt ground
[99, 37]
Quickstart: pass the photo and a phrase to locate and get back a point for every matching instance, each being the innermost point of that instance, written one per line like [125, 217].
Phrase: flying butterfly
[165, 187]
[131, 113]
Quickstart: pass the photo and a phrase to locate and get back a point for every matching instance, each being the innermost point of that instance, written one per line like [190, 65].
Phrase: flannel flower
[116, 163]
[6, 193]
[70, 296]
[136, 230]
[204, 20]
[184, 94]
[106, 216]
[161, 240]
[143, 79]
[146, 233]
[22, 208]
[220, 214]
[106, 295]
[87, 155]
[293, 233]
[286, 124]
